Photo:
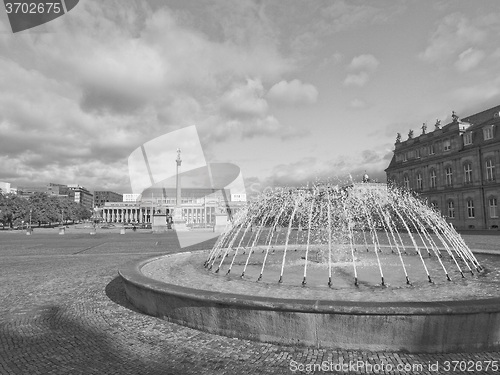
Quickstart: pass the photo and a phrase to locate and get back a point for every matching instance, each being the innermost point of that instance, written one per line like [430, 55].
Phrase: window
[405, 156]
[406, 181]
[490, 170]
[493, 207]
[431, 149]
[467, 173]
[451, 209]
[449, 176]
[434, 205]
[417, 153]
[419, 181]
[488, 132]
[447, 145]
[433, 178]
[470, 208]
[468, 138]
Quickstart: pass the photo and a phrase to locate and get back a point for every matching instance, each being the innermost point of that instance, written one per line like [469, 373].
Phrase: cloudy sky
[290, 91]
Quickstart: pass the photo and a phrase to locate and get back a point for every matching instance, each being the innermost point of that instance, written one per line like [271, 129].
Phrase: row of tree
[41, 208]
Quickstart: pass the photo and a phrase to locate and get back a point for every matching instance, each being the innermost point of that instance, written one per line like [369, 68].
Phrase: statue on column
[424, 128]
[179, 222]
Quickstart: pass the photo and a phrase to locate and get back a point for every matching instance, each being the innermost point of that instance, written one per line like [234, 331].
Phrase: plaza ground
[63, 311]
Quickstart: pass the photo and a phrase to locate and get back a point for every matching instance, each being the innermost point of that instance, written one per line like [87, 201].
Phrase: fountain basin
[372, 318]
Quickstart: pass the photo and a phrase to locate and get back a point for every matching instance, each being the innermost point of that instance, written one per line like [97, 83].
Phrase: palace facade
[199, 206]
[455, 167]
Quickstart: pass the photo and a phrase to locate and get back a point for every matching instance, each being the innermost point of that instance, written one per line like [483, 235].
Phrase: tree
[13, 209]
[44, 208]
[83, 213]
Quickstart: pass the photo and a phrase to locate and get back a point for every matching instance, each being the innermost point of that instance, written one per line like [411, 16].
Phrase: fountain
[365, 266]
[334, 226]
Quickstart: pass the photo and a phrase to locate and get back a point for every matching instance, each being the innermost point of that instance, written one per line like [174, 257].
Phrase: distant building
[198, 205]
[455, 167]
[73, 192]
[238, 197]
[101, 197]
[51, 189]
[131, 197]
[5, 187]
[81, 195]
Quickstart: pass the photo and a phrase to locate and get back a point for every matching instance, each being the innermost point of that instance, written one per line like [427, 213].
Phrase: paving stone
[64, 311]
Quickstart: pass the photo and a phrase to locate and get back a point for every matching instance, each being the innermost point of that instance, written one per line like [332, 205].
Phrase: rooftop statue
[438, 124]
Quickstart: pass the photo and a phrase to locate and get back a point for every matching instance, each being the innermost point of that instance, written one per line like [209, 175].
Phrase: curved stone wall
[454, 326]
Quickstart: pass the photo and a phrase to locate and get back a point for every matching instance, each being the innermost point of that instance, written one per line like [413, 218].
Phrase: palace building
[455, 167]
[199, 206]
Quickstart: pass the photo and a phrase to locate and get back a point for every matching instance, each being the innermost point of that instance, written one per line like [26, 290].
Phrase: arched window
[449, 176]
[490, 170]
[493, 205]
[467, 173]
[406, 181]
[433, 178]
[419, 181]
[470, 208]
[434, 205]
[451, 209]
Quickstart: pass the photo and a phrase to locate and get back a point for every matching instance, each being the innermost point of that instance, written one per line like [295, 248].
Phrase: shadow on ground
[56, 342]
[116, 293]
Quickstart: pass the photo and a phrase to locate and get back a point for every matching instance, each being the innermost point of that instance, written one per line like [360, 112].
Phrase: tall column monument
[178, 181]
[179, 222]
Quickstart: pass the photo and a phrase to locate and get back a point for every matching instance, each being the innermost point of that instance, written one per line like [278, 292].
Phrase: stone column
[179, 222]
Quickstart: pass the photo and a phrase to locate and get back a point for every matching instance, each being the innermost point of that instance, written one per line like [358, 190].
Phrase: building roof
[476, 121]
[482, 117]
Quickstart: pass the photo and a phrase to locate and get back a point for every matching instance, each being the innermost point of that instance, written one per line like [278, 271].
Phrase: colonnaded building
[199, 206]
[455, 167]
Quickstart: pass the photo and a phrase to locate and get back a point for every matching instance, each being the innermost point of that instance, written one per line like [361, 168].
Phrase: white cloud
[243, 111]
[358, 79]
[245, 101]
[293, 92]
[343, 15]
[454, 33]
[363, 66]
[364, 62]
[469, 59]
[112, 75]
[481, 92]
[336, 170]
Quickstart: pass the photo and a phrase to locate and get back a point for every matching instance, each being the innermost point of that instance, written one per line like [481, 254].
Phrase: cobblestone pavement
[63, 311]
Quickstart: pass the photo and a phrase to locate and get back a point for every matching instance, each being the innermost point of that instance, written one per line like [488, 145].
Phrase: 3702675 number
[470, 366]
[32, 8]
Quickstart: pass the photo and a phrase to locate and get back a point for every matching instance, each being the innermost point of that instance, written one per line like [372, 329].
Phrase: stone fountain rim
[131, 274]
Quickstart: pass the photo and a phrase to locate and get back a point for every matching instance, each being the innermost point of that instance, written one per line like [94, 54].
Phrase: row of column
[199, 215]
[143, 215]
[127, 215]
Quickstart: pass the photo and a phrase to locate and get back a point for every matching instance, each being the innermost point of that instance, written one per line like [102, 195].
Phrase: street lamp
[30, 217]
